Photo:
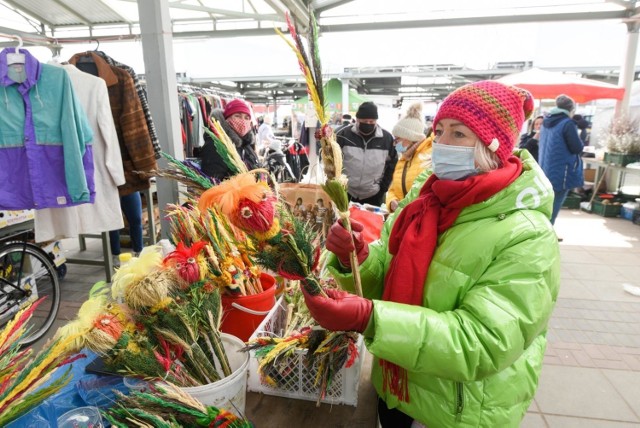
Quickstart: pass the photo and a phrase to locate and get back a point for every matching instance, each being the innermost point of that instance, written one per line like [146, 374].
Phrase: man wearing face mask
[369, 156]
[235, 119]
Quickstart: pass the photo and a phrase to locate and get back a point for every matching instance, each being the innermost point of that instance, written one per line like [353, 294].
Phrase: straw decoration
[336, 183]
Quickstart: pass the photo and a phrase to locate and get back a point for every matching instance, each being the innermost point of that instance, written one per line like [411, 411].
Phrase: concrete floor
[591, 375]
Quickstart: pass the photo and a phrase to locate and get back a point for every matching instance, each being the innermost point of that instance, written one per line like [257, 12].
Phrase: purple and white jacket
[46, 159]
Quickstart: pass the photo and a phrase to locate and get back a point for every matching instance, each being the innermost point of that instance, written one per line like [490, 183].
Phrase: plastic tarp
[83, 390]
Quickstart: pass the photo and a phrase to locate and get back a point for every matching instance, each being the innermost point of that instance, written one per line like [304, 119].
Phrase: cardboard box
[590, 175]
[55, 249]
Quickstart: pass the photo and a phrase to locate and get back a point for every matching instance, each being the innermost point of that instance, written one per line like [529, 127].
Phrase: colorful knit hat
[411, 127]
[494, 111]
[236, 106]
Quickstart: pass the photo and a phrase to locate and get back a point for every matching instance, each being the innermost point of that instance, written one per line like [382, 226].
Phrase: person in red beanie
[235, 119]
[460, 287]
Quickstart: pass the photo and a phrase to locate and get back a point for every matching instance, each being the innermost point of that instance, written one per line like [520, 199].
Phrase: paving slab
[627, 384]
[553, 421]
[582, 393]
[533, 420]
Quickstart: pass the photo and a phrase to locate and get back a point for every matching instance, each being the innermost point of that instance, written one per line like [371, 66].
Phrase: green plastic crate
[620, 158]
[572, 202]
[605, 210]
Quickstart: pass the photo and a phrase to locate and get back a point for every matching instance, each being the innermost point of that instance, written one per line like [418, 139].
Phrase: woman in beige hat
[414, 151]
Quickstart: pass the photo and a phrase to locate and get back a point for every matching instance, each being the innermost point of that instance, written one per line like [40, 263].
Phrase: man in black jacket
[369, 156]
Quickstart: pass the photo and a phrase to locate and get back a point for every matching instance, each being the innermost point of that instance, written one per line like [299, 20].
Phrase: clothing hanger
[86, 56]
[16, 57]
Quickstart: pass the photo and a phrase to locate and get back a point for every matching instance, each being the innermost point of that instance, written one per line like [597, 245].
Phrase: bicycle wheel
[26, 275]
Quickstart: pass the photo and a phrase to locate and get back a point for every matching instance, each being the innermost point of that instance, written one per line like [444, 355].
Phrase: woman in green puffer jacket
[462, 283]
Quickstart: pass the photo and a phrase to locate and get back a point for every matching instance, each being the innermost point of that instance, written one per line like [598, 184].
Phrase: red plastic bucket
[243, 314]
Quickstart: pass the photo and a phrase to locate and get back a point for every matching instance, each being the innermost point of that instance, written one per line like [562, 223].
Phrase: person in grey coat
[560, 150]
[369, 156]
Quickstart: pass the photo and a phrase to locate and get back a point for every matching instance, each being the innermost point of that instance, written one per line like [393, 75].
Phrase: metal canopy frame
[53, 17]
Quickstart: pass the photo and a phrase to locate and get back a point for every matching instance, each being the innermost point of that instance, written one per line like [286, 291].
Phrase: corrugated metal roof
[96, 11]
[58, 13]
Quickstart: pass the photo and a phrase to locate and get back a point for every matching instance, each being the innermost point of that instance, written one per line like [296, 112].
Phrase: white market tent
[157, 23]
[548, 84]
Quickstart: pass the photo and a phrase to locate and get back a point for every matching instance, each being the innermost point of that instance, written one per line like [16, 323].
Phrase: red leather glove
[341, 311]
[339, 242]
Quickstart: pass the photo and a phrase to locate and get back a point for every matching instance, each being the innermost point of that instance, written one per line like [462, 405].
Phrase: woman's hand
[339, 242]
[393, 205]
[339, 311]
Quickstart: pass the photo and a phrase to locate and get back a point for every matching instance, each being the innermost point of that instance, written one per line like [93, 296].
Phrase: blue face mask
[453, 162]
[400, 148]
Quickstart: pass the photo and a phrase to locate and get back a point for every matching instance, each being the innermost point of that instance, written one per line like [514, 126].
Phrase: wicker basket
[300, 380]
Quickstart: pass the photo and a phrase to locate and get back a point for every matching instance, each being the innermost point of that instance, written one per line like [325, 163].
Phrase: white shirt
[104, 214]
[267, 139]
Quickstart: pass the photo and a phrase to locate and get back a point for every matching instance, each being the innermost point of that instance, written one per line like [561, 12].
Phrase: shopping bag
[371, 221]
[309, 203]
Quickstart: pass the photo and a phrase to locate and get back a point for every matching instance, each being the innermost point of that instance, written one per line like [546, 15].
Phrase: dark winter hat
[565, 102]
[346, 116]
[367, 110]
[236, 106]
[492, 110]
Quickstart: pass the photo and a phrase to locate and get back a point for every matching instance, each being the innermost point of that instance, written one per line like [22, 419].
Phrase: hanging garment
[46, 157]
[135, 143]
[142, 94]
[104, 214]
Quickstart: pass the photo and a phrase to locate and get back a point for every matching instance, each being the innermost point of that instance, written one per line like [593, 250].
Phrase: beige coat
[104, 214]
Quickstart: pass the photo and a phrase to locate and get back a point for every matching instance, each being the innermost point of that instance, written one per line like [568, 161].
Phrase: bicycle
[276, 163]
[27, 274]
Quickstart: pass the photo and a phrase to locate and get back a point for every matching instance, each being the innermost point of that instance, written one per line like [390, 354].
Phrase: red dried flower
[256, 216]
[183, 259]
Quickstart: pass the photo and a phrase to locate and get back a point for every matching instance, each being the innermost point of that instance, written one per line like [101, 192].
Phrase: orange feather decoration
[227, 195]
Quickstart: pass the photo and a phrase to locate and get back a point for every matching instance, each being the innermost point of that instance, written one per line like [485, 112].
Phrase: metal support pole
[346, 107]
[155, 27]
[313, 157]
[275, 110]
[627, 73]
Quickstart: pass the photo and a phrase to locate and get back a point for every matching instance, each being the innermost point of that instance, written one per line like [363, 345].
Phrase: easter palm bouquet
[25, 379]
[156, 321]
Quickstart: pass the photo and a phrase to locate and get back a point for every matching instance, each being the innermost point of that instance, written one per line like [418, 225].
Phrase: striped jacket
[131, 126]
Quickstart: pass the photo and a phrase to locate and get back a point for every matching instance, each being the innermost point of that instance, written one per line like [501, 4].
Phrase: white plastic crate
[300, 383]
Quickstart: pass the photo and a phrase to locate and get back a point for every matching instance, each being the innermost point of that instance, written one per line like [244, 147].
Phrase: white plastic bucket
[229, 393]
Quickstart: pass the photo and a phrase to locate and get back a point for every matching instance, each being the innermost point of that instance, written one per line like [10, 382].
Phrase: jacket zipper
[364, 153]
[459, 401]
[404, 178]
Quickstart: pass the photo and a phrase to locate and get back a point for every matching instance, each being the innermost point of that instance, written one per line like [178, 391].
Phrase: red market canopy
[548, 85]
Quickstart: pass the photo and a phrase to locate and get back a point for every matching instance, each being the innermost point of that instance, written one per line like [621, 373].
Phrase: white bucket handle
[250, 311]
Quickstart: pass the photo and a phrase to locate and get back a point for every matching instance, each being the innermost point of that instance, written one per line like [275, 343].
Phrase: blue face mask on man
[453, 162]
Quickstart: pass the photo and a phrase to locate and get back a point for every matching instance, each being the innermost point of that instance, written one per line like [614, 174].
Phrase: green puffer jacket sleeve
[500, 301]
[499, 316]
[373, 268]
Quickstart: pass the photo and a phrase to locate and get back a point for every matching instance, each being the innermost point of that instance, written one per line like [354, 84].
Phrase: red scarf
[414, 237]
